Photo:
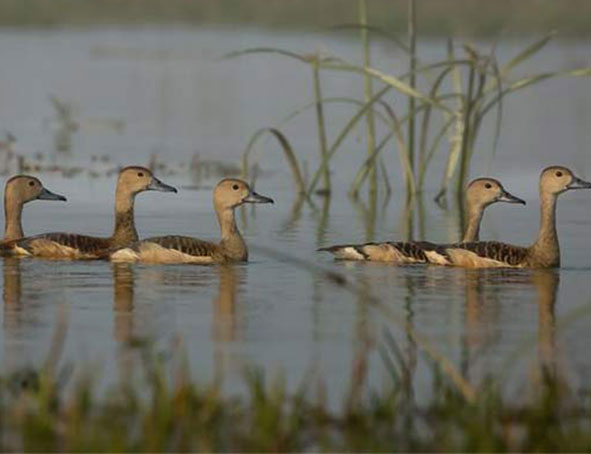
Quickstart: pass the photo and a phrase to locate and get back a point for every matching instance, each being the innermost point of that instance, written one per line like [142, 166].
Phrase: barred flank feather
[184, 244]
[63, 245]
[501, 252]
[394, 252]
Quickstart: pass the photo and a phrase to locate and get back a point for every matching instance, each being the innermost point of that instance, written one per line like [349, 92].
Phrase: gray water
[175, 96]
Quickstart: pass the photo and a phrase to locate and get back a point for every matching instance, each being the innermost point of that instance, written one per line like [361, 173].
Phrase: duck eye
[488, 185]
[140, 174]
[235, 187]
[559, 173]
[31, 183]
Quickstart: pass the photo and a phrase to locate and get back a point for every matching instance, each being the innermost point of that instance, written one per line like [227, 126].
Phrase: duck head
[232, 192]
[485, 191]
[25, 188]
[135, 179]
[557, 179]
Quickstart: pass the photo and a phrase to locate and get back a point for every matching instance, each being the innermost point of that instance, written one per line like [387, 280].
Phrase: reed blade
[526, 54]
[412, 56]
[321, 124]
[367, 95]
[287, 152]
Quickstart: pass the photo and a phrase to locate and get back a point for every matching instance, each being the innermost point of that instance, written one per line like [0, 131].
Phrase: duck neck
[232, 243]
[13, 228]
[124, 231]
[548, 237]
[472, 231]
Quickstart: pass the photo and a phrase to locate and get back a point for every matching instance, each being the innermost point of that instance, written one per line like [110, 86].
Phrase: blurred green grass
[461, 17]
[40, 412]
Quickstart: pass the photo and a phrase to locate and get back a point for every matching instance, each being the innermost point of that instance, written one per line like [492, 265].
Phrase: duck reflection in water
[224, 305]
[11, 292]
[224, 319]
[123, 317]
[26, 303]
[123, 299]
[484, 299]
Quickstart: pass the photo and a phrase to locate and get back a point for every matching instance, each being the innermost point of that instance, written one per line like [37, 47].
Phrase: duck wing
[61, 245]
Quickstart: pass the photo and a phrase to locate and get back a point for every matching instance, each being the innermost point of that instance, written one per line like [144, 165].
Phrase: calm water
[175, 97]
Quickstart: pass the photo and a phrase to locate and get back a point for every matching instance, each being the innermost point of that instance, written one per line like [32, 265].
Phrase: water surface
[176, 97]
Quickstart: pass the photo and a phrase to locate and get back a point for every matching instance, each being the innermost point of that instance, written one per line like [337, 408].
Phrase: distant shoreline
[464, 18]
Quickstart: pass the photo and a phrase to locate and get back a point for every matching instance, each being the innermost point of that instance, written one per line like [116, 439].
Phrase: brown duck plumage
[18, 191]
[228, 194]
[132, 180]
[543, 253]
[480, 193]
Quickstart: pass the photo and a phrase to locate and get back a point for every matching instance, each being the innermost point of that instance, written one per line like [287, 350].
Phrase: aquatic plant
[165, 410]
[449, 98]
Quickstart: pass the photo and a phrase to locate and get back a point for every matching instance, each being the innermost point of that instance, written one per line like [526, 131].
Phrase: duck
[19, 190]
[131, 181]
[543, 253]
[480, 193]
[228, 194]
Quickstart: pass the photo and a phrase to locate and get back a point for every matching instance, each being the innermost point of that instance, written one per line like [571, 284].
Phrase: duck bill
[510, 198]
[577, 183]
[253, 197]
[157, 185]
[48, 195]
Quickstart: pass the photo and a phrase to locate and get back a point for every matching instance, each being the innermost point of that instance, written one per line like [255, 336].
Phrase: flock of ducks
[124, 244]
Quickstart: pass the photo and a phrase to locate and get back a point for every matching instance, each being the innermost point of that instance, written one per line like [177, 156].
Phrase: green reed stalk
[367, 95]
[464, 154]
[424, 156]
[321, 124]
[412, 44]
[290, 157]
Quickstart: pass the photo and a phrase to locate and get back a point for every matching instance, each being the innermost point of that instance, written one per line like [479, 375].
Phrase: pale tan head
[557, 179]
[232, 192]
[135, 179]
[21, 189]
[481, 192]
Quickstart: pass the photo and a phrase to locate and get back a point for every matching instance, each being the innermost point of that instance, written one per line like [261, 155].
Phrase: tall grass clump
[447, 102]
[166, 410]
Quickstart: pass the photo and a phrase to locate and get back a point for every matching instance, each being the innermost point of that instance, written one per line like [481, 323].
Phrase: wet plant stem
[412, 44]
[367, 95]
[464, 154]
[321, 124]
